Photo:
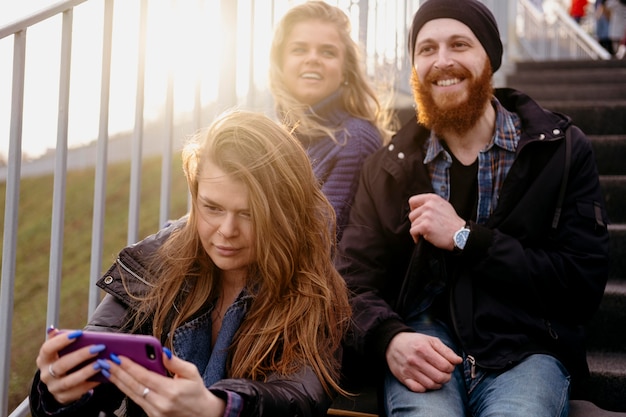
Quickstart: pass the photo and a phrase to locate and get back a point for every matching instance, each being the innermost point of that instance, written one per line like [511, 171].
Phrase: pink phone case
[143, 349]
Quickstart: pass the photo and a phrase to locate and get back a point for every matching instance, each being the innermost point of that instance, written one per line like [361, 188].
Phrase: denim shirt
[192, 342]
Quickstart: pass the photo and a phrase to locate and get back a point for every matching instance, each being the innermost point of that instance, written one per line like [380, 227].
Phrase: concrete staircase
[593, 93]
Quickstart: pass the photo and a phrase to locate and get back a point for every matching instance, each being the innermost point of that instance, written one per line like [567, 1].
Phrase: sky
[184, 37]
[177, 37]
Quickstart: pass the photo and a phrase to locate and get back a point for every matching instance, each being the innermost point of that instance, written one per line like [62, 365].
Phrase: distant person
[603, 16]
[477, 246]
[617, 25]
[321, 92]
[242, 292]
[578, 9]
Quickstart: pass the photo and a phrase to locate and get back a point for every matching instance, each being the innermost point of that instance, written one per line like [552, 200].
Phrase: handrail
[576, 33]
[22, 410]
[39, 16]
[551, 34]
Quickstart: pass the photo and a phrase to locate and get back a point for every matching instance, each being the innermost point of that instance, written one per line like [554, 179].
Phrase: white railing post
[97, 228]
[12, 201]
[137, 145]
[58, 203]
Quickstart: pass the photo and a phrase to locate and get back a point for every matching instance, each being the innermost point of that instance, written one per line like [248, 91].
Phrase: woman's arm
[301, 395]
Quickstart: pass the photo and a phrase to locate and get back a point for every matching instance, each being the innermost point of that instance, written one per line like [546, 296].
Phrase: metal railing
[549, 33]
[379, 25]
[19, 32]
[229, 94]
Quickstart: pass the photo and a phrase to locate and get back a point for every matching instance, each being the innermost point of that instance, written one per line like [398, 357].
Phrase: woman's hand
[66, 387]
[183, 396]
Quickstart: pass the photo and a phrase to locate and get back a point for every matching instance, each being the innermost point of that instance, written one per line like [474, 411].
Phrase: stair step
[580, 408]
[607, 385]
[617, 248]
[594, 117]
[583, 91]
[613, 187]
[571, 78]
[610, 153]
[605, 331]
[568, 65]
[364, 402]
[592, 93]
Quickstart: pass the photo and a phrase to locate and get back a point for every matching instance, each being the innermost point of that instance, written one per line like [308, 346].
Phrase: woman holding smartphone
[242, 293]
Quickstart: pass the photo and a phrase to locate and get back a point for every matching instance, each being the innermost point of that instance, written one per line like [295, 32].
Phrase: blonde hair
[299, 310]
[358, 96]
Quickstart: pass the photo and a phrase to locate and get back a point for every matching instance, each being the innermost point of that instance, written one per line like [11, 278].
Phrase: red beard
[451, 114]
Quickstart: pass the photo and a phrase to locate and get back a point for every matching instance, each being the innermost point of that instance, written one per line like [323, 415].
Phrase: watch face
[460, 238]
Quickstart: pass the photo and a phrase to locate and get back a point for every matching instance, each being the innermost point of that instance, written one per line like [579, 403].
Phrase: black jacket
[522, 286]
[298, 395]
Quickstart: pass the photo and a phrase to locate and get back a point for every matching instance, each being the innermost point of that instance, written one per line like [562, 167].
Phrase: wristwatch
[460, 238]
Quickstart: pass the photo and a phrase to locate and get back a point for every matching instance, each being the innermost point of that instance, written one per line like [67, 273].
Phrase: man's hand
[434, 219]
[421, 362]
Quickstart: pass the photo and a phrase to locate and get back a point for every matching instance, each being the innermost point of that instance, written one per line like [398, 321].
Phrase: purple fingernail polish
[116, 359]
[106, 373]
[50, 329]
[97, 366]
[97, 348]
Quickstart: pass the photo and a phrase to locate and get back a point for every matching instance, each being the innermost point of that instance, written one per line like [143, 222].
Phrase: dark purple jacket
[522, 287]
[337, 163]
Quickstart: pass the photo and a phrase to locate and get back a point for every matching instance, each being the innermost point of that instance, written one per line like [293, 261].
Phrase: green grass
[33, 250]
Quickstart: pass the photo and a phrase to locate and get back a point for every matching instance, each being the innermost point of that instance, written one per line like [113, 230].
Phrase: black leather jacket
[521, 286]
[299, 395]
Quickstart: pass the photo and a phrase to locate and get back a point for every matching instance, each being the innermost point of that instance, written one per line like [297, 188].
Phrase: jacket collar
[538, 123]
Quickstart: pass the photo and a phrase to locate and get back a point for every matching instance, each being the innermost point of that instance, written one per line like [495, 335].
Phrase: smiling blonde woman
[322, 94]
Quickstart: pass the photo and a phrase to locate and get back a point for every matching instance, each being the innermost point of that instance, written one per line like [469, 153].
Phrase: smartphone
[145, 350]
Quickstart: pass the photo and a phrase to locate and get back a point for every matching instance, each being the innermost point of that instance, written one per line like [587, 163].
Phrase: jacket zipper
[127, 269]
[472, 362]
[551, 331]
[469, 358]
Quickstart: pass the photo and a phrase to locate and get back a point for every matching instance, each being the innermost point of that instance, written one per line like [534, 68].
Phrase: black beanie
[472, 13]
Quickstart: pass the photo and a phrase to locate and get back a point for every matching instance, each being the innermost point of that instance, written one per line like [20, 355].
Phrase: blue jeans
[538, 386]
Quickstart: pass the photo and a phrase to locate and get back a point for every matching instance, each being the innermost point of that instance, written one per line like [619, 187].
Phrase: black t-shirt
[464, 199]
[464, 188]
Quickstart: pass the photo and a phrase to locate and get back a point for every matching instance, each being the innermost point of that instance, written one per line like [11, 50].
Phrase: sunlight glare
[184, 41]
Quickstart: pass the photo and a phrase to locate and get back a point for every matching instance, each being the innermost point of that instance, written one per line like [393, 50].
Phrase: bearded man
[477, 245]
